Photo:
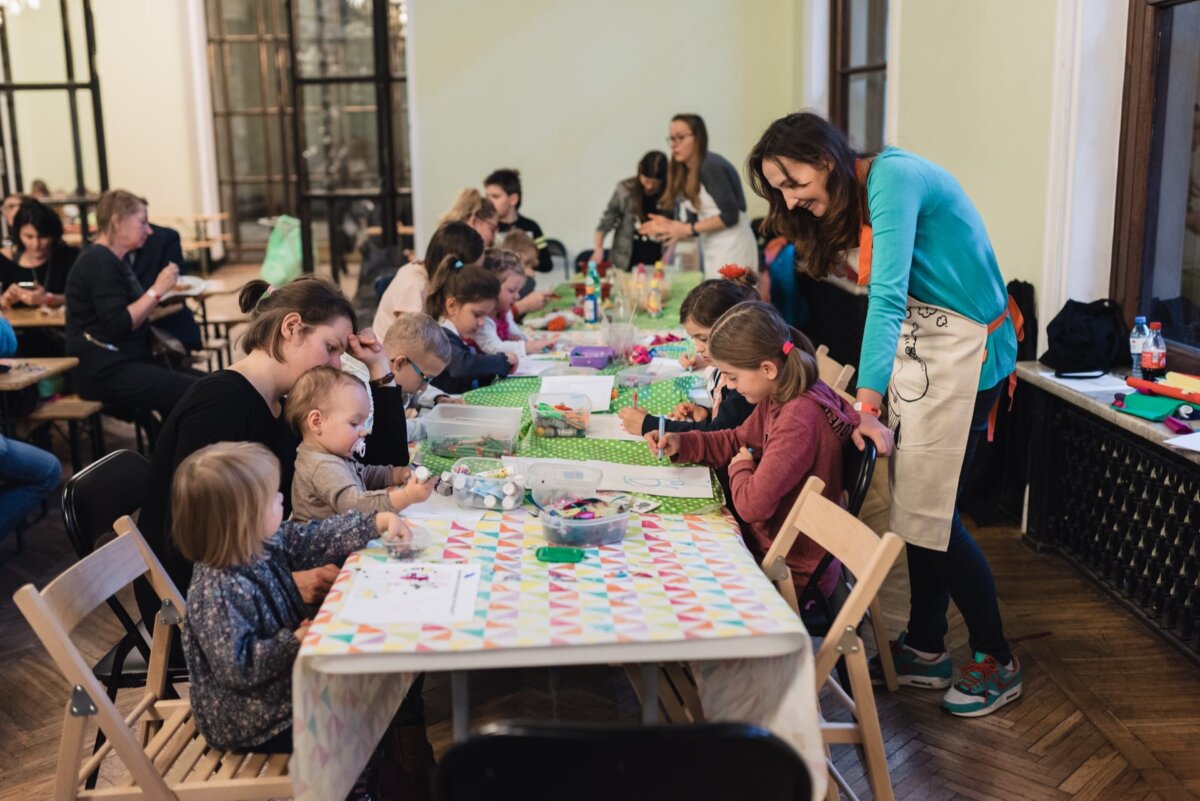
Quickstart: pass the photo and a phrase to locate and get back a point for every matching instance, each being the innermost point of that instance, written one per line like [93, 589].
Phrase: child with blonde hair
[328, 410]
[245, 618]
[529, 298]
[797, 429]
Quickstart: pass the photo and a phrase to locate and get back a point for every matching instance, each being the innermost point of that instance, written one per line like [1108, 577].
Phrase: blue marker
[662, 432]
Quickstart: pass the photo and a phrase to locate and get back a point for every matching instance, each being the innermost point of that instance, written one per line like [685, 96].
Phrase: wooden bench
[73, 410]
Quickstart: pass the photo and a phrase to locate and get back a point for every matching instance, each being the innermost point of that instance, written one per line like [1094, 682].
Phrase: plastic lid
[1139, 320]
[1155, 326]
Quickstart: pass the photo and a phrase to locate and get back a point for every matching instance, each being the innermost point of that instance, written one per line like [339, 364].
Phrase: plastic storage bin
[560, 415]
[594, 356]
[645, 374]
[475, 491]
[551, 483]
[455, 430]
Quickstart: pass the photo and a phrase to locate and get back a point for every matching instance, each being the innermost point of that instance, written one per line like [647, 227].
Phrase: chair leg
[881, 644]
[868, 721]
[76, 451]
[97, 427]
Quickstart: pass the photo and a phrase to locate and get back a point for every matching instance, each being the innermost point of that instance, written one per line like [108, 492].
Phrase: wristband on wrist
[154, 294]
[383, 380]
[866, 408]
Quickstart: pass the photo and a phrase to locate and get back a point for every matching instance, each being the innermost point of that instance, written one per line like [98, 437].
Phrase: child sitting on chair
[797, 429]
[499, 332]
[328, 409]
[245, 618]
[460, 297]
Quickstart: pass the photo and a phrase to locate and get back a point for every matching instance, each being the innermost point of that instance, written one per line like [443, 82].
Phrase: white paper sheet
[1188, 442]
[665, 481]
[1105, 383]
[385, 593]
[441, 507]
[536, 365]
[598, 388]
[608, 426]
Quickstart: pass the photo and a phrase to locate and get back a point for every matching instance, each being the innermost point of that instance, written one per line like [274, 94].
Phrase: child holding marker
[328, 409]
[698, 313]
[796, 430]
[460, 298]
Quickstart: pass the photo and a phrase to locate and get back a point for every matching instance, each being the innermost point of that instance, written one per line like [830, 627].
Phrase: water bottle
[1154, 354]
[591, 300]
[1137, 340]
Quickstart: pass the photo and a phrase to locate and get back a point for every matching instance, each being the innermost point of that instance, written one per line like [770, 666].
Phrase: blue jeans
[27, 476]
[960, 573]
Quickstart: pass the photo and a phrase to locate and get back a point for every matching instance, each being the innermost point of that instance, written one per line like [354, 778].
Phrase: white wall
[573, 92]
[148, 94]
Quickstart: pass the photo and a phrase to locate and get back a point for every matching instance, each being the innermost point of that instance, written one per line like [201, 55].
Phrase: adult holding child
[708, 192]
[939, 340]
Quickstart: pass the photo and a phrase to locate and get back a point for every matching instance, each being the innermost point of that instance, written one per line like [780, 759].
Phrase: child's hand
[411, 413]
[313, 584]
[400, 475]
[687, 360]
[743, 455]
[699, 413]
[682, 411]
[392, 528]
[448, 399]
[302, 631]
[410, 493]
[540, 344]
[631, 419]
[669, 443]
[513, 359]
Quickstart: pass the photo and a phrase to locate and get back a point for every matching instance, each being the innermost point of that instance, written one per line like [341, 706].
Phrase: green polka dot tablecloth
[658, 398]
[681, 284]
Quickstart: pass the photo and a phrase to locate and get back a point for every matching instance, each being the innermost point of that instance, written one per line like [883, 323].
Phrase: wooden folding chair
[164, 755]
[869, 558]
[832, 372]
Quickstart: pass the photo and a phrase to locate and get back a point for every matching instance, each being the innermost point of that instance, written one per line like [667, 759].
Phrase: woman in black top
[108, 314]
[37, 273]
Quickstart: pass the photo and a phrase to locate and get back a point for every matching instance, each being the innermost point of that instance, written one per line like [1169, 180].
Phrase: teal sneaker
[913, 670]
[983, 687]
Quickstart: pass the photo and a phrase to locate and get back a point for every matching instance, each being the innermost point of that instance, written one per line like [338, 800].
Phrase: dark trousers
[961, 573]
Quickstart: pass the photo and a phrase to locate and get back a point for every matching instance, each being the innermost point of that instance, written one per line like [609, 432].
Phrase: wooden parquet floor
[1109, 711]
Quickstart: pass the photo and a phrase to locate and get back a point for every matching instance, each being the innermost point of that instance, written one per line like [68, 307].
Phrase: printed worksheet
[385, 593]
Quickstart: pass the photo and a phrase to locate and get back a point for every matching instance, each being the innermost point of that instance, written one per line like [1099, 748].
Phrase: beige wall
[974, 95]
[146, 91]
[573, 92]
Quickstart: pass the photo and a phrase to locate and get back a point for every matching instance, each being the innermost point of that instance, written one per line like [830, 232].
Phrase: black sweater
[469, 369]
[732, 412]
[51, 275]
[225, 407]
[99, 288]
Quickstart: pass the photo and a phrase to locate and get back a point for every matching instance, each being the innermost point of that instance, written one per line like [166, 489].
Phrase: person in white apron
[711, 203]
[940, 341]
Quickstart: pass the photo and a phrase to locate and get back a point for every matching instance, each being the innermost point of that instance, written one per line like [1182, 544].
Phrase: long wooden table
[40, 317]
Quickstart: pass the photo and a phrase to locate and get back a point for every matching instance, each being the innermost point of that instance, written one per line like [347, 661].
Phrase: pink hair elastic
[787, 347]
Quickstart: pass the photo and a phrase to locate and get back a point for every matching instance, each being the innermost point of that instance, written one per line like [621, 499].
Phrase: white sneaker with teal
[983, 687]
[913, 670]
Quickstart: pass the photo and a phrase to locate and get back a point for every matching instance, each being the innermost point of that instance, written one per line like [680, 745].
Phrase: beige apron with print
[931, 399]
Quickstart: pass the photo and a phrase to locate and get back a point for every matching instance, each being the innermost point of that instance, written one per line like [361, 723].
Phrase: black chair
[92, 500]
[540, 762]
[558, 253]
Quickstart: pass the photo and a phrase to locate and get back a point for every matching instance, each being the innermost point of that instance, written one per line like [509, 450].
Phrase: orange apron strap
[1014, 311]
[864, 232]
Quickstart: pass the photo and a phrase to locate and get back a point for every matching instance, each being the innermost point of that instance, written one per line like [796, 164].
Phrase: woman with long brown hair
[631, 204]
[704, 191]
[940, 340]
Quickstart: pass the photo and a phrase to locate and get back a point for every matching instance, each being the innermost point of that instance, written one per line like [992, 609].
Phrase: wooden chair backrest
[833, 372]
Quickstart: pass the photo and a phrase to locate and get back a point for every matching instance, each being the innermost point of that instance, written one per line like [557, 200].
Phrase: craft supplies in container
[455, 430]
[585, 522]
[559, 415]
[486, 484]
[410, 548]
[645, 374]
[594, 356]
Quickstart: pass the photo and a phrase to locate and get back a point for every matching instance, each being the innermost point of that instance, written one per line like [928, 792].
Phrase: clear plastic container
[560, 415]
[643, 375]
[455, 430]
[571, 371]
[475, 491]
[551, 482]
[413, 547]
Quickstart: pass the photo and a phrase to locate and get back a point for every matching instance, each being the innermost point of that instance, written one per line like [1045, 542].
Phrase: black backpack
[1087, 338]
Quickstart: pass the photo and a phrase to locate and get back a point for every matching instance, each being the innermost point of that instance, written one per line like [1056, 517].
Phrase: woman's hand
[30, 297]
[669, 444]
[392, 528]
[11, 295]
[743, 455]
[167, 278]
[366, 347]
[870, 427]
[314, 584]
[631, 419]
[597, 255]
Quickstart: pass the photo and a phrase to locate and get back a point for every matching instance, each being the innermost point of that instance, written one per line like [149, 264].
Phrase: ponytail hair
[466, 283]
[752, 333]
[316, 300]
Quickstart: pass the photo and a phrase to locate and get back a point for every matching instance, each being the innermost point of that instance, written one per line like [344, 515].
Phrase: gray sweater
[326, 485]
[239, 634]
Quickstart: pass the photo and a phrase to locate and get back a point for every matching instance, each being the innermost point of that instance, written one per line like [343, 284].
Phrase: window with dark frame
[1156, 247]
[858, 70]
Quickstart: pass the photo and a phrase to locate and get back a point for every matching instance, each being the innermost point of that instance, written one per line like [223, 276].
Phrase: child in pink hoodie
[797, 429]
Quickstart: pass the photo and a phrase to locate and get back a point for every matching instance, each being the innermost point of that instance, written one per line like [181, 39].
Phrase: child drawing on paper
[797, 429]
[245, 618]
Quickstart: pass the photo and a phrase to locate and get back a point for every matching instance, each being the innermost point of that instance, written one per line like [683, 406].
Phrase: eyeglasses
[677, 138]
[424, 378]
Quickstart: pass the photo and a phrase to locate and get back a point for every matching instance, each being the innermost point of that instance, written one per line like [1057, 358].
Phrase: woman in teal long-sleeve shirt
[939, 342]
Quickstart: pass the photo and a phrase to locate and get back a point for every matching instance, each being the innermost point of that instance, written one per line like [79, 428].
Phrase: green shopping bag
[284, 260]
